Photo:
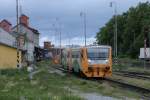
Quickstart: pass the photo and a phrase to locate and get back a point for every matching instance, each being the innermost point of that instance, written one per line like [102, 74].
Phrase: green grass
[121, 67]
[15, 84]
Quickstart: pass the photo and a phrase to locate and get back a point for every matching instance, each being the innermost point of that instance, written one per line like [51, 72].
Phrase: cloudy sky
[52, 16]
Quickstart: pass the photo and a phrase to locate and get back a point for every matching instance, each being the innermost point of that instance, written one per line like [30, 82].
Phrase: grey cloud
[43, 15]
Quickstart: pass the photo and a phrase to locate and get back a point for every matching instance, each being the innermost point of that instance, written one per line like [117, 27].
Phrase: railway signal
[146, 38]
[146, 42]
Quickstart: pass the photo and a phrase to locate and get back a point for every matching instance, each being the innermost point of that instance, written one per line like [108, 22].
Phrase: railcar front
[96, 61]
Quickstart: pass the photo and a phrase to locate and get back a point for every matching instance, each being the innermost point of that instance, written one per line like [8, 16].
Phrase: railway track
[59, 67]
[133, 75]
[137, 73]
[145, 92]
[142, 89]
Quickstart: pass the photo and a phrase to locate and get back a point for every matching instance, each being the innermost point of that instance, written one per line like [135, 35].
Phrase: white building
[31, 37]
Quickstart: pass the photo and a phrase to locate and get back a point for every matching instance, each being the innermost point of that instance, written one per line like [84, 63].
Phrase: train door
[83, 58]
[69, 60]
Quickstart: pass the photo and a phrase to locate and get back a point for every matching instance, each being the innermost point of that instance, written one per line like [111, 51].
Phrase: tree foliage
[130, 30]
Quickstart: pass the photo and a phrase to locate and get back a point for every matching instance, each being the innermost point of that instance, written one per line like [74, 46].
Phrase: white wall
[32, 37]
[7, 38]
[30, 48]
[31, 41]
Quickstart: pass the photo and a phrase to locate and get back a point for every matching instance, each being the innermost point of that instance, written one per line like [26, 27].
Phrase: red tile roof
[6, 21]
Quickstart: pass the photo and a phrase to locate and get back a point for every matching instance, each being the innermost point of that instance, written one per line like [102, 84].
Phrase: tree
[130, 30]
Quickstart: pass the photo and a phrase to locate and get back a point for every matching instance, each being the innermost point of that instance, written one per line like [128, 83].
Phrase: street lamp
[83, 14]
[115, 31]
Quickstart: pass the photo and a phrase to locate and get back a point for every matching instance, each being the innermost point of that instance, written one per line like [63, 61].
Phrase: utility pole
[69, 40]
[83, 14]
[17, 16]
[60, 36]
[59, 28]
[116, 29]
[17, 21]
[55, 31]
[60, 46]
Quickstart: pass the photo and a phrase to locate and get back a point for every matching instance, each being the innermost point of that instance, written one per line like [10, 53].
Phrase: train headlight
[106, 61]
[89, 61]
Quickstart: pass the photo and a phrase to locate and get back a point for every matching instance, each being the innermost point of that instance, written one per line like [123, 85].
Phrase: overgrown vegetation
[15, 84]
[131, 25]
[135, 65]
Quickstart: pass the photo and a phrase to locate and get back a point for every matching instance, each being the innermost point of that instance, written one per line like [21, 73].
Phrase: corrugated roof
[8, 45]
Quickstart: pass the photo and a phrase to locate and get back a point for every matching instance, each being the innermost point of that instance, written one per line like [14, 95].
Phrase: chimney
[24, 20]
[47, 45]
[6, 25]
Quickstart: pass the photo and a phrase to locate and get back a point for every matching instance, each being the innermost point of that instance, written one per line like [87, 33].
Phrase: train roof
[93, 46]
[99, 46]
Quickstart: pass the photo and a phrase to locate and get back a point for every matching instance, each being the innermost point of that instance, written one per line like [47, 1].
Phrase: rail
[144, 91]
[133, 75]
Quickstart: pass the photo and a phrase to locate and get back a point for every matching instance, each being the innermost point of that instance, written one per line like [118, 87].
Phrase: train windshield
[98, 53]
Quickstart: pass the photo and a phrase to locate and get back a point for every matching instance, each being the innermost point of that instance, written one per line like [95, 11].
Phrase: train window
[98, 53]
[75, 54]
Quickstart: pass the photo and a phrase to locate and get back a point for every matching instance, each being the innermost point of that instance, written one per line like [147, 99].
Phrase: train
[89, 61]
